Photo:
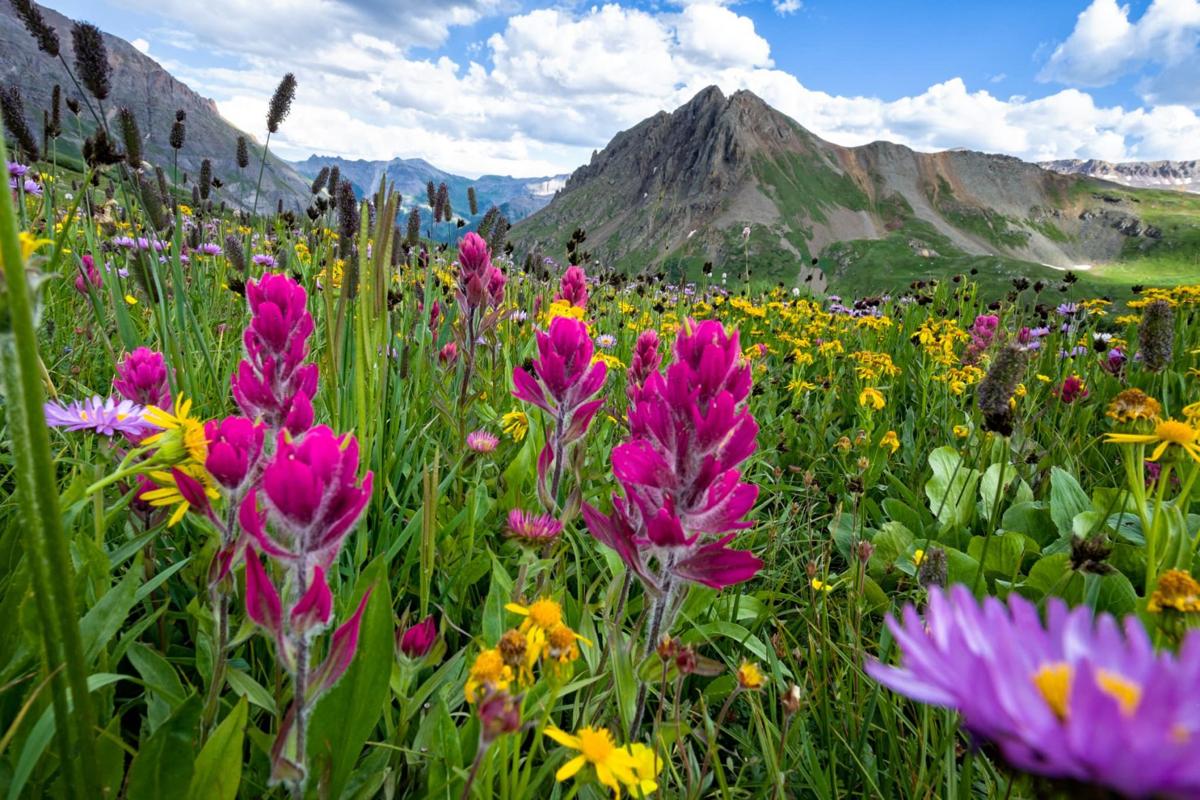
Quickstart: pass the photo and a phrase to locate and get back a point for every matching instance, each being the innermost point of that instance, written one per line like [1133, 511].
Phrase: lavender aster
[1079, 698]
[104, 416]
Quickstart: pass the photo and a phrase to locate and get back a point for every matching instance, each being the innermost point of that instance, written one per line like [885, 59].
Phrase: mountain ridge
[515, 197]
[153, 94]
[677, 190]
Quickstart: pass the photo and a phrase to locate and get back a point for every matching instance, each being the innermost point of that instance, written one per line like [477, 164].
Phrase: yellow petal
[562, 737]
[178, 515]
[569, 769]
[517, 608]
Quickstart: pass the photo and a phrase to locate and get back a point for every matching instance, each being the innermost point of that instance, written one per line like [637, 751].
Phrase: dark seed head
[131, 137]
[1156, 335]
[91, 59]
[12, 108]
[281, 102]
[31, 15]
[243, 153]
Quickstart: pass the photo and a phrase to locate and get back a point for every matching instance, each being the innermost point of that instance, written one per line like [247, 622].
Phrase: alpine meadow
[767, 439]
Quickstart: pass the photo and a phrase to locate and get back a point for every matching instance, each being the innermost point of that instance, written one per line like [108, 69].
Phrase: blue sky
[523, 87]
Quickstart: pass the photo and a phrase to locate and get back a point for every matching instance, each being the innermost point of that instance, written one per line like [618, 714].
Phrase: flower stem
[37, 491]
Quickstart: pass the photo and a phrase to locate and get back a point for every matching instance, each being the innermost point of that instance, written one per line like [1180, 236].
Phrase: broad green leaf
[1032, 519]
[1066, 500]
[102, 621]
[245, 686]
[218, 768]
[163, 765]
[438, 738]
[1003, 553]
[1116, 595]
[951, 489]
[346, 715]
[163, 689]
[892, 540]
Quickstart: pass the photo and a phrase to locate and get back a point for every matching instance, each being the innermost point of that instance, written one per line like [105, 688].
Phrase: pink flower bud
[312, 611]
[573, 287]
[88, 274]
[417, 641]
[234, 446]
[262, 599]
[142, 378]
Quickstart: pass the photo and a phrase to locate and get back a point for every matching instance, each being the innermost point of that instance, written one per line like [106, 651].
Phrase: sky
[531, 88]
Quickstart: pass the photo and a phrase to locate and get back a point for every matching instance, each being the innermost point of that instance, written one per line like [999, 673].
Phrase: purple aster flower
[104, 416]
[263, 260]
[32, 187]
[16, 170]
[209, 249]
[1079, 698]
[124, 242]
[606, 341]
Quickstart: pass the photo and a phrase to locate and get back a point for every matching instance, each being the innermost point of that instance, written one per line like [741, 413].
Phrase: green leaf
[951, 489]
[989, 483]
[1032, 519]
[892, 540]
[1004, 553]
[346, 715]
[43, 731]
[162, 766]
[495, 618]
[1116, 595]
[218, 768]
[1045, 575]
[245, 686]
[1066, 500]
[102, 621]
[904, 514]
[438, 737]
[163, 690]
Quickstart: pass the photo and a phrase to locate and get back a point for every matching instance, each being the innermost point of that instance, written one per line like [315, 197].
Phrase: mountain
[142, 85]
[516, 198]
[1181, 175]
[678, 189]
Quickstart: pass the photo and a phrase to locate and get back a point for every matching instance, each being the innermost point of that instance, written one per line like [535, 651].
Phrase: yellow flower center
[488, 667]
[1127, 693]
[1175, 432]
[1177, 590]
[195, 441]
[545, 614]
[1054, 682]
[596, 745]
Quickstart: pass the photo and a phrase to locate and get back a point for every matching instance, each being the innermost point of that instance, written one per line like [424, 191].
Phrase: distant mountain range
[1181, 175]
[516, 198]
[142, 85]
[680, 188]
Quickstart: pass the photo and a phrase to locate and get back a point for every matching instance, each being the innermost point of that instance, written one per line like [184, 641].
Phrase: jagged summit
[678, 188]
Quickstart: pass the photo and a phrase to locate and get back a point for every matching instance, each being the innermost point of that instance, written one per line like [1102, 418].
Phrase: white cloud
[1105, 45]
[141, 45]
[785, 7]
[555, 83]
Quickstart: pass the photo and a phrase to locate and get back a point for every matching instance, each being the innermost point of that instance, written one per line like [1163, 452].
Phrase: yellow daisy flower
[1166, 433]
[613, 765]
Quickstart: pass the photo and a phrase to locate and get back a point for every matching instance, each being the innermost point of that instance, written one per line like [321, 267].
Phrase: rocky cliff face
[680, 188]
[142, 85]
[1180, 175]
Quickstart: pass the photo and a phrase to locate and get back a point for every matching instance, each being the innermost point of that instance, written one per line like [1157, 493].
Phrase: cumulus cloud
[1163, 46]
[554, 84]
[785, 7]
